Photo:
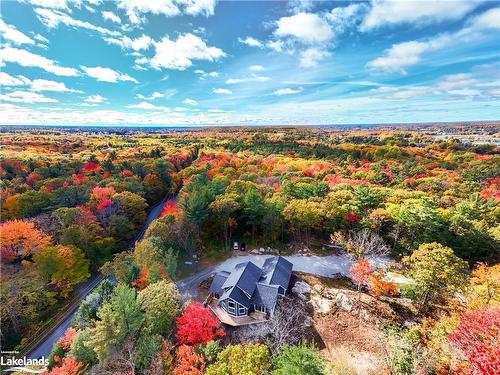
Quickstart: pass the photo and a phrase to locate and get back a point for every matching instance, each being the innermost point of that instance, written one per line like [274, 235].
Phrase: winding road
[43, 345]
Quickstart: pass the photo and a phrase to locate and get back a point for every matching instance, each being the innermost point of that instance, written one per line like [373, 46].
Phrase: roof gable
[276, 271]
[244, 276]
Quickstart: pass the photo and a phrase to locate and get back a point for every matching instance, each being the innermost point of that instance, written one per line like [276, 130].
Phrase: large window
[231, 307]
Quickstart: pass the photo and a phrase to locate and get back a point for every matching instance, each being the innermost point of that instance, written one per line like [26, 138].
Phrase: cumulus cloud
[28, 59]
[287, 91]
[148, 106]
[107, 74]
[204, 74]
[222, 91]
[10, 33]
[95, 99]
[312, 56]
[52, 19]
[388, 12]
[8, 80]
[26, 97]
[251, 42]
[179, 54]
[110, 16]
[141, 43]
[35, 85]
[153, 96]
[189, 101]
[306, 27]
[137, 9]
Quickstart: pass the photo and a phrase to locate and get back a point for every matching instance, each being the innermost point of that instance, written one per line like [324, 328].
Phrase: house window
[216, 295]
[241, 310]
[231, 307]
[259, 308]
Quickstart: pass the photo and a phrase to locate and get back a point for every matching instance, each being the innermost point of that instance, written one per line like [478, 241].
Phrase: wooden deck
[225, 318]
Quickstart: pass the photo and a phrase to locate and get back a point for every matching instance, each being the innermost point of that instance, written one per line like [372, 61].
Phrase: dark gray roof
[237, 294]
[265, 295]
[276, 271]
[248, 284]
[219, 279]
[244, 276]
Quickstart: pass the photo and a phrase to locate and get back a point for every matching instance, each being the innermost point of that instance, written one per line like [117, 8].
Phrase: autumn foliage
[198, 325]
[20, 238]
[67, 338]
[188, 362]
[478, 338]
[361, 272]
[70, 366]
[379, 287]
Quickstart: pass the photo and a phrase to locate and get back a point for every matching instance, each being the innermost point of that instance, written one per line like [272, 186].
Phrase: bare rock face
[301, 289]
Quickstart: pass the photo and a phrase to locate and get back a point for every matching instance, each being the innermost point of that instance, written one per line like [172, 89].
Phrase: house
[249, 289]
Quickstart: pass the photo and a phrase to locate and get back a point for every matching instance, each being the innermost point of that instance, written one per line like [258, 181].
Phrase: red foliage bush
[197, 325]
[478, 337]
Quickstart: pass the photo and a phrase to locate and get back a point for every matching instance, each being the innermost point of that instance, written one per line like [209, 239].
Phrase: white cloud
[342, 18]
[10, 33]
[148, 106]
[252, 78]
[386, 12]
[222, 91]
[107, 15]
[308, 28]
[204, 74]
[35, 85]
[216, 110]
[287, 91]
[8, 80]
[190, 102]
[402, 55]
[41, 38]
[251, 42]
[487, 20]
[46, 85]
[179, 54]
[95, 99]
[141, 43]
[26, 97]
[153, 96]
[107, 74]
[136, 9]
[28, 59]
[311, 57]
[52, 19]
[54, 4]
[256, 68]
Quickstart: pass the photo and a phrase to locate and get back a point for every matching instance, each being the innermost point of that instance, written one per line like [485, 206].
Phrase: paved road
[44, 346]
[318, 265]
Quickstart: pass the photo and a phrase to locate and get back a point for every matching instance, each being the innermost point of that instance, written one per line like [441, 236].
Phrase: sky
[208, 62]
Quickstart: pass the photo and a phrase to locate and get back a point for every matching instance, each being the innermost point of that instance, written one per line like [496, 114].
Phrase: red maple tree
[477, 336]
[197, 325]
[70, 366]
[361, 272]
[67, 338]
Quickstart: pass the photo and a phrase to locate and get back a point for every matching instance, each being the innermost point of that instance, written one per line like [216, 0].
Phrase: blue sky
[207, 62]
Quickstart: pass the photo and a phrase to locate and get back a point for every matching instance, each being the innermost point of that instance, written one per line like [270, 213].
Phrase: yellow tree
[20, 239]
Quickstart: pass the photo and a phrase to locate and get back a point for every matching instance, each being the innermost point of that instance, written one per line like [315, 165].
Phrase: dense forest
[72, 205]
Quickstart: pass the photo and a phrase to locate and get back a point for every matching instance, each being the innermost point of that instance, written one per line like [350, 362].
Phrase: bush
[298, 360]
